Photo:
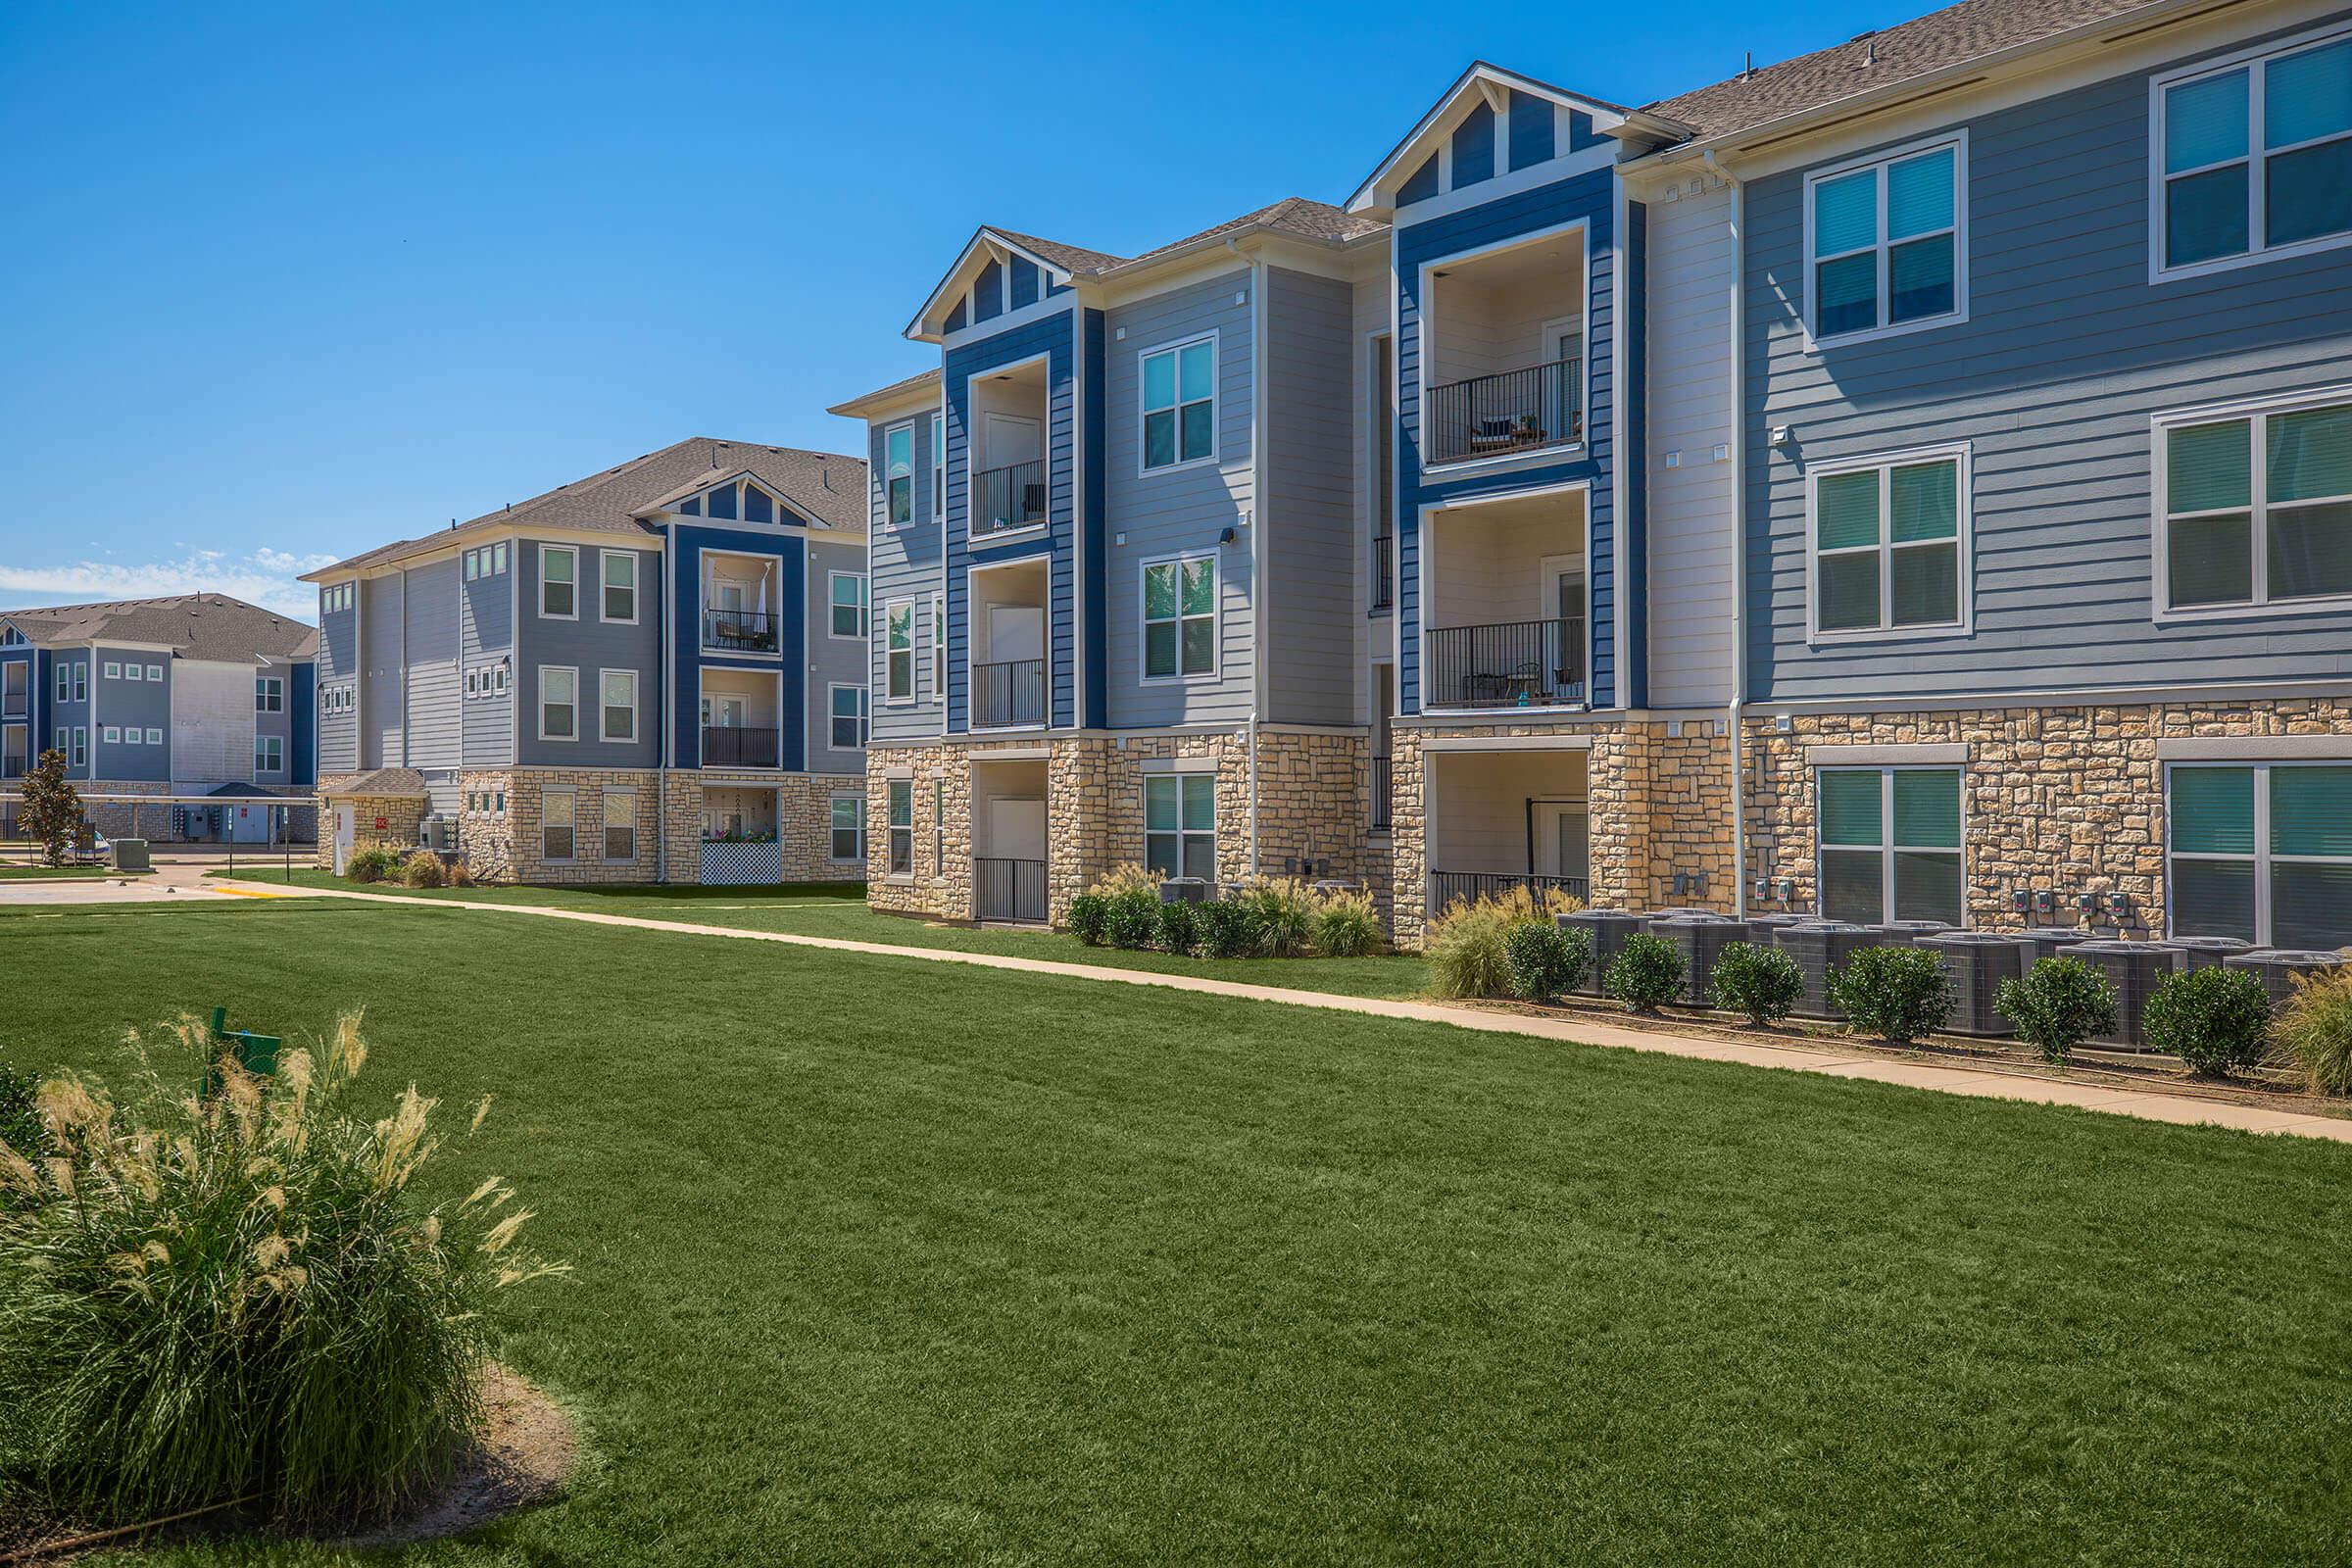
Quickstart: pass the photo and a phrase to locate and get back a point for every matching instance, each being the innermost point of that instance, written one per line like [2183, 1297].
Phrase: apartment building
[1909, 481]
[656, 673]
[198, 699]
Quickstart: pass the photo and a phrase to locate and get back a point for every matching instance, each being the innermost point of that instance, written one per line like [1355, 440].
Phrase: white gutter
[1738, 446]
[670, 696]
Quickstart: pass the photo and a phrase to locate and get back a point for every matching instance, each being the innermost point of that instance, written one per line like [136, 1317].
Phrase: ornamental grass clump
[2059, 1003]
[240, 1294]
[1897, 994]
[1347, 925]
[422, 868]
[1763, 984]
[2316, 1031]
[371, 866]
[1286, 915]
[2216, 1019]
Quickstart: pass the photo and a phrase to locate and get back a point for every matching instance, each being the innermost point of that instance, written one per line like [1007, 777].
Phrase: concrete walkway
[1982, 1082]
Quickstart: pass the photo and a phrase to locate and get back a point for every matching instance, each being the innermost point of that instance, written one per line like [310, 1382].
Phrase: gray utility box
[130, 854]
[2278, 967]
[1977, 962]
[1184, 890]
[1607, 930]
[2205, 953]
[1760, 927]
[1906, 933]
[2135, 969]
[1677, 913]
[1819, 947]
[1701, 940]
[2048, 942]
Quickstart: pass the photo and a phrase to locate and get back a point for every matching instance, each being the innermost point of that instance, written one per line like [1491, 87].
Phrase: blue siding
[1589, 197]
[1021, 278]
[1532, 130]
[124, 702]
[302, 705]
[31, 717]
[688, 660]
[1421, 184]
[988, 293]
[1474, 147]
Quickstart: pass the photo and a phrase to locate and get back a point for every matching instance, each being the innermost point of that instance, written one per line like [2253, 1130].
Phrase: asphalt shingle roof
[202, 625]
[1292, 214]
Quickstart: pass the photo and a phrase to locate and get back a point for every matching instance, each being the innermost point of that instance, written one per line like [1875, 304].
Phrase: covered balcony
[740, 606]
[1503, 345]
[1498, 819]
[15, 689]
[741, 721]
[16, 750]
[1006, 618]
[1008, 841]
[1503, 618]
[739, 837]
[1008, 468]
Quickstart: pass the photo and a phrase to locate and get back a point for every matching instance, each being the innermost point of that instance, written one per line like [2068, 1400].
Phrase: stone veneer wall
[940, 885]
[122, 819]
[526, 791]
[402, 816]
[486, 837]
[2065, 798]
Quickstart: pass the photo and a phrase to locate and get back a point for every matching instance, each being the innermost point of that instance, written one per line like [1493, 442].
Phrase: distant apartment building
[656, 673]
[199, 698]
[1909, 481]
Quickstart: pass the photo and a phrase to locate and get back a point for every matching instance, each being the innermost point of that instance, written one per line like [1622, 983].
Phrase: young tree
[52, 807]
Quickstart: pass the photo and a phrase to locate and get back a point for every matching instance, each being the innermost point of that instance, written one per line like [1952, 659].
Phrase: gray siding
[338, 664]
[1310, 516]
[2068, 352]
[382, 712]
[142, 703]
[281, 722]
[429, 641]
[837, 660]
[902, 564]
[485, 640]
[1181, 512]
[1692, 503]
[588, 644]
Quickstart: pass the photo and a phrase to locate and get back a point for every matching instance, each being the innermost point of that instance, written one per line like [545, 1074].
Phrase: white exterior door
[346, 830]
[1015, 631]
[1008, 438]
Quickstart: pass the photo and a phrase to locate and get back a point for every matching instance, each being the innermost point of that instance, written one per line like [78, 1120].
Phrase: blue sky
[286, 284]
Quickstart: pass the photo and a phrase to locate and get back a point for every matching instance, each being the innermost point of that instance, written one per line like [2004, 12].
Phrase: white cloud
[265, 578]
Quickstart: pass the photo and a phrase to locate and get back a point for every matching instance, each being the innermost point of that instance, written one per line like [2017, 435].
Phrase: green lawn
[58, 873]
[883, 1261]
[829, 909]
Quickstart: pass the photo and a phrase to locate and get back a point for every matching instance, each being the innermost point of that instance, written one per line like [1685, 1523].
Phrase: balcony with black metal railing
[1010, 695]
[1445, 887]
[1008, 499]
[740, 746]
[739, 632]
[1516, 664]
[1523, 409]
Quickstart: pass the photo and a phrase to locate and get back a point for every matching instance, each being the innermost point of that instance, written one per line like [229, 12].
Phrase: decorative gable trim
[1423, 159]
[948, 310]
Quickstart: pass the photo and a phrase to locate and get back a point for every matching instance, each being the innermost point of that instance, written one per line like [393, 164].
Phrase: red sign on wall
[381, 825]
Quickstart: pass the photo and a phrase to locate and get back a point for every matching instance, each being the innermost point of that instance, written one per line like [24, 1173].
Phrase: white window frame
[155, 735]
[1217, 404]
[604, 557]
[2251, 61]
[109, 734]
[270, 753]
[832, 604]
[1964, 454]
[939, 830]
[939, 467]
[564, 792]
[134, 670]
[65, 682]
[82, 681]
[1888, 847]
[268, 694]
[1216, 619]
[2262, 856]
[1181, 833]
[832, 811]
[155, 673]
[573, 551]
[603, 733]
[833, 717]
[82, 745]
[891, 696]
[2257, 410]
[891, 476]
[605, 825]
[894, 833]
[1958, 315]
[573, 671]
[114, 669]
[939, 648]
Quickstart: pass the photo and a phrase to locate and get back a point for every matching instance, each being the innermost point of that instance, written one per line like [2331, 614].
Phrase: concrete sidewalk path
[1982, 1082]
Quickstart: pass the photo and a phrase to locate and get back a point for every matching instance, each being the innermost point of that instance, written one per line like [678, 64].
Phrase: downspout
[1257, 525]
[667, 707]
[1739, 458]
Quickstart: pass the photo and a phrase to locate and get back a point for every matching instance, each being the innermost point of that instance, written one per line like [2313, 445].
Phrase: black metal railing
[1380, 792]
[1009, 890]
[1384, 571]
[740, 631]
[1515, 411]
[1008, 498]
[1446, 886]
[1009, 694]
[1514, 664]
[737, 746]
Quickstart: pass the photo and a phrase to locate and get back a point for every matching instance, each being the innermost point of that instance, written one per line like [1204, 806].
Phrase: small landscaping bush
[1285, 916]
[2214, 1019]
[2315, 1030]
[1179, 928]
[1134, 919]
[1897, 994]
[1545, 960]
[422, 868]
[1228, 929]
[1089, 918]
[1648, 972]
[371, 864]
[2059, 1003]
[204, 1298]
[1347, 925]
[1763, 984]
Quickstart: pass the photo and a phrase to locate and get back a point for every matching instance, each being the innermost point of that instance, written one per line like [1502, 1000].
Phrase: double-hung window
[268, 694]
[897, 653]
[620, 586]
[82, 745]
[559, 703]
[620, 825]
[1180, 824]
[1889, 844]
[1887, 242]
[2256, 508]
[268, 754]
[848, 715]
[82, 681]
[558, 582]
[1180, 618]
[939, 648]
[1180, 404]
[848, 590]
[939, 467]
[2262, 851]
[616, 699]
[1889, 544]
[2254, 156]
[897, 469]
[939, 829]
[555, 809]
[901, 826]
[849, 827]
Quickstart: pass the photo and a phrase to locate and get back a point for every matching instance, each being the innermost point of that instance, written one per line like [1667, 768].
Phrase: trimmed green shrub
[1179, 928]
[2316, 1028]
[2059, 1003]
[371, 864]
[1089, 918]
[1762, 983]
[1347, 925]
[1648, 972]
[1897, 994]
[1228, 929]
[1285, 916]
[1134, 920]
[1469, 951]
[1543, 961]
[2214, 1019]
[208, 1298]
[422, 868]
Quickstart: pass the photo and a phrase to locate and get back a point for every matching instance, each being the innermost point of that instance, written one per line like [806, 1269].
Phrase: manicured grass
[59, 873]
[830, 909]
[880, 1261]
